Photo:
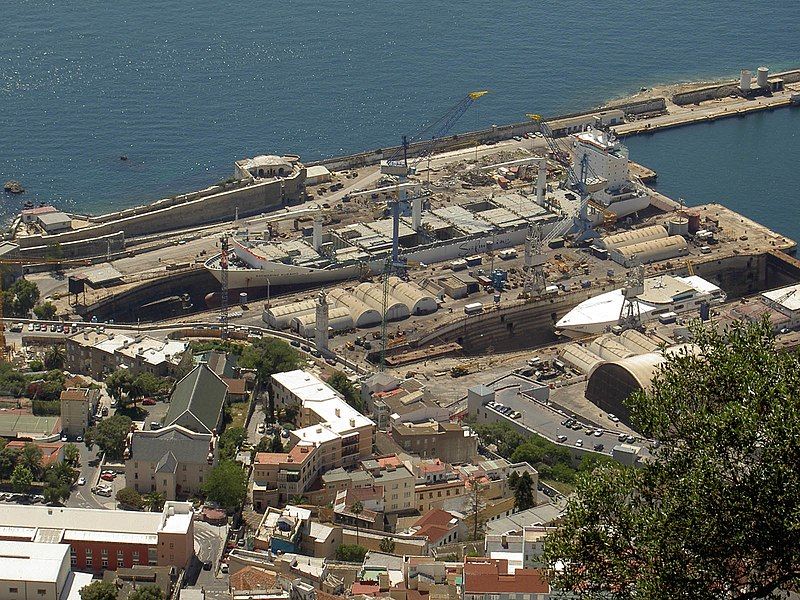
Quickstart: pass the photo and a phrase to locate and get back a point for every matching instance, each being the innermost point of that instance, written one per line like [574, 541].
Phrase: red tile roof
[253, 578]
[438, 517]
[486, 576]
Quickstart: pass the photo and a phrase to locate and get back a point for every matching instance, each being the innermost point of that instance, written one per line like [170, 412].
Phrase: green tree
[31, 458]
[227, 484]
[8, 460]
[99, 590]
[351, 553]
[54, 357]
[45, 311]
[130, 497]
[147, 592]
[387, 545]
[118, 384]
[110, 435]
[20, 298]
[154, 501]
[357, 508]
[345, 387]
[72, 455]
[59, 473]
[714, 513]
[269, 356]
[21, 479]
[276, 443]
[524, 495]
[147, 384]
[230, 441]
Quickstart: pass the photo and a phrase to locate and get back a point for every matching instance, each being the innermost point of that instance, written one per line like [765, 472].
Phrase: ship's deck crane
[23, 262]
[578, 222]
[429, 136]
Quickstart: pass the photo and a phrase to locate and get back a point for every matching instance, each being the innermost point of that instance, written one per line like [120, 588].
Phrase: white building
[35, 571]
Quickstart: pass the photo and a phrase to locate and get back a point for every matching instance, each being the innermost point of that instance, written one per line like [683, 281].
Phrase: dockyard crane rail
[24, 262]
[432, 134]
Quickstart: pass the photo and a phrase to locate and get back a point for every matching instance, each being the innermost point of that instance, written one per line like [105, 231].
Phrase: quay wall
[221, 206]
[102, 245]
[721, 90]
[518, 325]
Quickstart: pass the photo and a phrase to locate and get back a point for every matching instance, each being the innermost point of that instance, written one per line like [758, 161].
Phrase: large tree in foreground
[716, 513]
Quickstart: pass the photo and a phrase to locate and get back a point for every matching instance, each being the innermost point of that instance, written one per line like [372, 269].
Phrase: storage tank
[762, 76]
[744, 80]
[694, 221]
[372, 295]
[635, 236]
[419, 302]
[280, 317]
[363, 315]
[339, 319]
[678, 226]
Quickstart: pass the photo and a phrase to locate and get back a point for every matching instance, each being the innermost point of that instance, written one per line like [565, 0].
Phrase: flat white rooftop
[787, 297]
[29, 561]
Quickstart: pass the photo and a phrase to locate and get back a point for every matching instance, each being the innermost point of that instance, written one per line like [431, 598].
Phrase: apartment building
[173, 461]
[489, 579]
[451, 442]
[77, 406]
[97, 354]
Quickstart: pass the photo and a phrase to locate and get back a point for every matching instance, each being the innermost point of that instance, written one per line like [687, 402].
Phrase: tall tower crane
[23, 262]
[223, 304]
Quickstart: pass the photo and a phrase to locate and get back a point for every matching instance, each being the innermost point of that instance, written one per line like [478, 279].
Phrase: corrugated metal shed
[372, 295]
[419, 302]
[280, 317]
[608, 348]
[363, 315]
[637, 342]
[651, 251]
[580, 357]
[636, 236]
[339, 319]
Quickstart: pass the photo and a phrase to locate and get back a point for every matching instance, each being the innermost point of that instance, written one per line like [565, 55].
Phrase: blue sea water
[185, 88]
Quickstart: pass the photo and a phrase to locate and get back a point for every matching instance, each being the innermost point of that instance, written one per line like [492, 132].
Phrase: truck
[473, 308]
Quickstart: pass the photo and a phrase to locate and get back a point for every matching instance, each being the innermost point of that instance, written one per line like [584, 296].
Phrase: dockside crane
[580, 182]
[223, 292]
[429, 137]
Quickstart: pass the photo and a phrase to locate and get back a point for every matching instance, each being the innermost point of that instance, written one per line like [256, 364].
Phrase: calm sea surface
[185, 88]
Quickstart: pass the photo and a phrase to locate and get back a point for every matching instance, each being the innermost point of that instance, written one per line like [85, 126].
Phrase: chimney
[352, 422]
[338, 412]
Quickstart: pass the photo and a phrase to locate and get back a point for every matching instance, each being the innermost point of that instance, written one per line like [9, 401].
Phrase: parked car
[149, 401]
[614, 418]
[579, 442]
[598, 447]
[81, 481]
[561, 439]
[261, 428]
[103, 492]
[207, 566]
[107, 477]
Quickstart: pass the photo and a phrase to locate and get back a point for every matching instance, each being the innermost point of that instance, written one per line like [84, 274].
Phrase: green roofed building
[197, 401]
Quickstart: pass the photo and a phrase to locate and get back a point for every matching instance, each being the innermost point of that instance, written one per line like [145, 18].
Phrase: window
[41, 591]
[88, 552]
[120, 558]
[104, 552]
[104, 563]
[88, 561]
[13, 590]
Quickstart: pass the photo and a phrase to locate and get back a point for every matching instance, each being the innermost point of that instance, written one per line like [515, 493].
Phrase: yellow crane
[26, 261]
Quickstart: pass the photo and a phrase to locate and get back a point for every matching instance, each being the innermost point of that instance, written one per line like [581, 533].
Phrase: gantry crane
[23, 262]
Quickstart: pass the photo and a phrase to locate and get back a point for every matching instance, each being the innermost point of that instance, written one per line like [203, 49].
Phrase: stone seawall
[222, 206]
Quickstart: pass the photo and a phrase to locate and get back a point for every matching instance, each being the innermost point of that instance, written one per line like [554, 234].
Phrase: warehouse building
[418, 301]
[372, 295]
[362, 314]
[281, 317]
[635, 236]
[650, 251]
[339, 319]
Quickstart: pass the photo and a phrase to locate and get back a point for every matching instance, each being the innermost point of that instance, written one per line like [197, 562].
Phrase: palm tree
[54, 358]
[357, 508]
[155, 500]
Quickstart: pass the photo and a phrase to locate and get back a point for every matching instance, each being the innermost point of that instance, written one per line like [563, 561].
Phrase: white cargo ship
[663, 294]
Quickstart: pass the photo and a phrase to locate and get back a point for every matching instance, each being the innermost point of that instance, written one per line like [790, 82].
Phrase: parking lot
[515, 407]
